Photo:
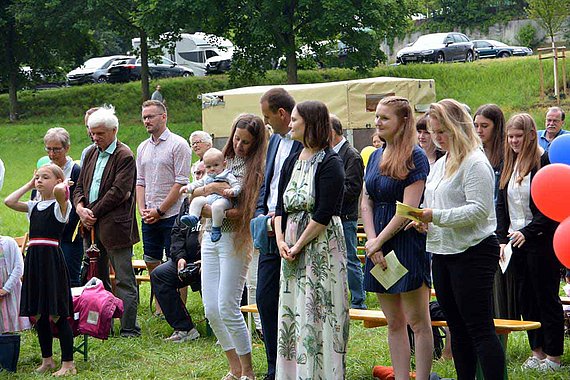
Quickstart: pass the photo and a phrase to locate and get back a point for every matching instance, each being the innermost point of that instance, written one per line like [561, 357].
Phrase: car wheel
[440, 58]
[504, 55]
[186, 74]
[102, 79]
[469, 56]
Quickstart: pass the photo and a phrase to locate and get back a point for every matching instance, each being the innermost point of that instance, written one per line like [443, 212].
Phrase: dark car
[496, 49]
[94, 70]
[130, 70]
[438, 48]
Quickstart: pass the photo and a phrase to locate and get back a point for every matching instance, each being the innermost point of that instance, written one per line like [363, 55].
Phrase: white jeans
[224, 273]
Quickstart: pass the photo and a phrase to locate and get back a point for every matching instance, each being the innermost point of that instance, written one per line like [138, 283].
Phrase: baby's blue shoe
[216, 234]
[189, 220]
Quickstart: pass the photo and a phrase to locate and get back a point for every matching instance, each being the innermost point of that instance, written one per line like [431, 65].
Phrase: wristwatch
[160, 213]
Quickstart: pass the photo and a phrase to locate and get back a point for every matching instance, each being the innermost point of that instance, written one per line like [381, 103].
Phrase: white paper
[394, 271]
[507, 253]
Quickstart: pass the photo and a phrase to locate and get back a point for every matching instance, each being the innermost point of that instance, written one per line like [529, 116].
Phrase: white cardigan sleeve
[14, 262]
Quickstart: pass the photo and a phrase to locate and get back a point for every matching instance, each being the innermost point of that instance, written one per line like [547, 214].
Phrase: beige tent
[354, 102]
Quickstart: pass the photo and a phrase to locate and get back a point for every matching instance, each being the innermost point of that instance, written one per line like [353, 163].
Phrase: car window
[429, 39]
[449, 39]
[210, 54]
[166, 61]
[95, 63]
[193, 56]
[457, 38]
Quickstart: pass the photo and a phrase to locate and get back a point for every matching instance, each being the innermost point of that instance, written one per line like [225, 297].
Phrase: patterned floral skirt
[313, 305]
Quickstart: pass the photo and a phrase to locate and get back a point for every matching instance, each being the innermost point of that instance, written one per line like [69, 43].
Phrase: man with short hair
[354, 177]
[276, 106]
[554, 123]
[105, 202]
[163, 167]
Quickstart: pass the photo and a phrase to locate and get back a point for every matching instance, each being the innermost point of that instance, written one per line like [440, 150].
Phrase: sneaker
[183, 336]
[548, 365]
[216, 234]
[189, 220]
[532, 363]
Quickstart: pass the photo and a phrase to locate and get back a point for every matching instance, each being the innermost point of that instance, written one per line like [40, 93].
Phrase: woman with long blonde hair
[398, 172]
[460, 212]
[530, 233]
[226, 261]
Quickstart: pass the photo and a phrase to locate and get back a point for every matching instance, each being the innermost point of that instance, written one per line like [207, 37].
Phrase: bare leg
[47, 364]
[246, 366]
[67, 368]
[234, 362]
[150, 265]
[397, 334]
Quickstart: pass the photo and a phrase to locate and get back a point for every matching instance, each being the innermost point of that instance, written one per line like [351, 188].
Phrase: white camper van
[196, 50]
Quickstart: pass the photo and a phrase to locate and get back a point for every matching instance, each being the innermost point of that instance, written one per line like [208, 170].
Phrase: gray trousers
[125, 282]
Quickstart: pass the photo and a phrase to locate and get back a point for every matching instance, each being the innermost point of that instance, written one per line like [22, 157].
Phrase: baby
[215, 172]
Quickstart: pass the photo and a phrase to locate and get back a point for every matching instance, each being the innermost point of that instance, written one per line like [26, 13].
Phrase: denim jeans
[156, 239]
[353, 266]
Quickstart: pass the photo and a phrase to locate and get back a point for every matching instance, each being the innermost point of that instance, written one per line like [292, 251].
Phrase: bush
[526, 36]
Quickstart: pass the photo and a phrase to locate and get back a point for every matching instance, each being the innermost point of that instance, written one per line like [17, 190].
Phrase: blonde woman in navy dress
[398, 172]
[46, 294]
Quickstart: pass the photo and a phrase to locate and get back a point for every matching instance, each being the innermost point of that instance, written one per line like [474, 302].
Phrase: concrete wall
[502, 32]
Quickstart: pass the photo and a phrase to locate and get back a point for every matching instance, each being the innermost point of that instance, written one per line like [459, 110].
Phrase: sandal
[230, 376]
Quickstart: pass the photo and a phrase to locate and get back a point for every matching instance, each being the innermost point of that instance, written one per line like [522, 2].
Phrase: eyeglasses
[148, 117]
[553, 120]
[194, 143]
[55, 150]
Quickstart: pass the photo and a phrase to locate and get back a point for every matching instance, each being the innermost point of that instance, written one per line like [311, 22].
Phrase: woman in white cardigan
[460, 222]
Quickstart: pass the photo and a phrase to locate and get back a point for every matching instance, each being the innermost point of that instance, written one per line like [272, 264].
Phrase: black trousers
[464, 286]
[45, 337]
[537, 277]
[166, 285]
[267, 298]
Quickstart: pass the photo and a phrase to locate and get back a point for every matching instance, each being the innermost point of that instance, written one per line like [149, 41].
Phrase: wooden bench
[139, 266]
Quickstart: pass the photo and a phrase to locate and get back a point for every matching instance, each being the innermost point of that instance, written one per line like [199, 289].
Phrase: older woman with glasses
[57, 144]
[200, 142]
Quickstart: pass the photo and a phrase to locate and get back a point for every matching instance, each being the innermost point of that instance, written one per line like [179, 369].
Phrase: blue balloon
[559, 152]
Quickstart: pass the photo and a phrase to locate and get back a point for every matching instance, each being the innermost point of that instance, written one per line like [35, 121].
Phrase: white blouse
[518, 202]
[463, 204]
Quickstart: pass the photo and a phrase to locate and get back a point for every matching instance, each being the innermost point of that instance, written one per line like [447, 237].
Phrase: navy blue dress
[409, 246]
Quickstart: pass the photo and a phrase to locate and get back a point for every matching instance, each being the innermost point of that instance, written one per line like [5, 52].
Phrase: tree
[551, 15]
[38, 34]
[265, 30]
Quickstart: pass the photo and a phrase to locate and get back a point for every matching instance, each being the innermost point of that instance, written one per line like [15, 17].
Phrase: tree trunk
[13, 69]
[555, 60]
[290, 49]
[144, 66]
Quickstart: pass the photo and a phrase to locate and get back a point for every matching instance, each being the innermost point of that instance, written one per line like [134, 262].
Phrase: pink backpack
[96, 308]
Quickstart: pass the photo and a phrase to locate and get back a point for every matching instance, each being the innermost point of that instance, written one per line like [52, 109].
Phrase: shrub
[526, 36]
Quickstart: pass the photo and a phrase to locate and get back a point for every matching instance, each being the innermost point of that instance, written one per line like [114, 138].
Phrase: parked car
[438, 48]
[218, 64]
[496, 49]
[130, 70]
[94, 70]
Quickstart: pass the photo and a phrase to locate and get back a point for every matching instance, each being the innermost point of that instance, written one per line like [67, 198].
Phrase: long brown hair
[253, 178]
[495, 151]
[529, 156]
[458, 125]
[397, 160]
[315, 114]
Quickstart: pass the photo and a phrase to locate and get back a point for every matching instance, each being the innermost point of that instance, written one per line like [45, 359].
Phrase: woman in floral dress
[313, 301]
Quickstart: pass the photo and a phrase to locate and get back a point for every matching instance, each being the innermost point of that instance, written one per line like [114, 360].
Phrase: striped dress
[11, 270]
[409, 246]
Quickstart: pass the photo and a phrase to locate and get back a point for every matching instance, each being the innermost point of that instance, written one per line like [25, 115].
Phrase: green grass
[513, 84]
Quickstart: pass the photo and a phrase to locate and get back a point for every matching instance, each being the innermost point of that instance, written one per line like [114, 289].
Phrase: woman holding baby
[225, 261]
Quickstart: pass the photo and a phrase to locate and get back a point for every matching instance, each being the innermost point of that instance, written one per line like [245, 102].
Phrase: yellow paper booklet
[394, 271]
[404, 210]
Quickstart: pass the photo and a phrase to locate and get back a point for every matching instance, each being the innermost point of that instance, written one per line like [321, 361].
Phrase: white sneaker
[548, 365]
[183, 336]
[532, 363]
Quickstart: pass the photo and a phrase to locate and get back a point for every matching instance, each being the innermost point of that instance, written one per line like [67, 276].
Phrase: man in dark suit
[105, 201]
[354, 176]
[276, 106]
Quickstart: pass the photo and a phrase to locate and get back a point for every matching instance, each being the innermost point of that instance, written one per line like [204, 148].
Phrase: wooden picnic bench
[376, 318]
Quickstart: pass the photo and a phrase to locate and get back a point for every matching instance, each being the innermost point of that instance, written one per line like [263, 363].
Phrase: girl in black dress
[46, 294]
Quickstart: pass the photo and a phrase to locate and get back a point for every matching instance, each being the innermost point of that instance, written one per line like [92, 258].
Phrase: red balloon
[561, 242]
[550, 190]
